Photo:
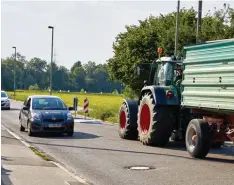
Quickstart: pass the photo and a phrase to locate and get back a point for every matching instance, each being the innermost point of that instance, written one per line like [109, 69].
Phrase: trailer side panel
[208, 77]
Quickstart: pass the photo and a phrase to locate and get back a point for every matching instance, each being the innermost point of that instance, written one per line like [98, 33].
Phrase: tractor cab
[165, 71]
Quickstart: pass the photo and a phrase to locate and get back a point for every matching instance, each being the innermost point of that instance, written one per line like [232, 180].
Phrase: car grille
[53, 121]
[54, 129]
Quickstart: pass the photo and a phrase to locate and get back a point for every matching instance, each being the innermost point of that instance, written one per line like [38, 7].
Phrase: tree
[75, 65]
[138, 44]
[79, 75]
[36, 68]
[8, 66]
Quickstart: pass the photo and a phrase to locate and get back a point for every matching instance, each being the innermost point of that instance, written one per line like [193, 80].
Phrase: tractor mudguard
[160, 95]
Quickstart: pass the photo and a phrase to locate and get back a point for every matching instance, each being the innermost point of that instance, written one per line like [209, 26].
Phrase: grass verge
[40, 154]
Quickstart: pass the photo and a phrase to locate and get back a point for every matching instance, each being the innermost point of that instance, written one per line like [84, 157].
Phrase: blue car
[42, 113]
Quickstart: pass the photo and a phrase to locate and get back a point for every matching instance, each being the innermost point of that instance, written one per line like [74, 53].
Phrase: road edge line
[17, 137]
[79, 179]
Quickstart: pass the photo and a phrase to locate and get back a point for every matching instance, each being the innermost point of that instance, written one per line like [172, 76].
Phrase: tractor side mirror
[138, 70]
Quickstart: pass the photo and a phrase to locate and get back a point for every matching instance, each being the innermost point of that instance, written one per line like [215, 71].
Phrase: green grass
[103, 106]
[40, 154]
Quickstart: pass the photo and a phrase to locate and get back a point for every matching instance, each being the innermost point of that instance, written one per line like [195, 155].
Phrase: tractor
[188, 99]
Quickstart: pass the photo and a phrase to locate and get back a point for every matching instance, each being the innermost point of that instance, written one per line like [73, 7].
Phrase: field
[103, 106]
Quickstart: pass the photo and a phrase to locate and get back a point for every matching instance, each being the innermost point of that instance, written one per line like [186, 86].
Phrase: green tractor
[189, 99]
[152, 117]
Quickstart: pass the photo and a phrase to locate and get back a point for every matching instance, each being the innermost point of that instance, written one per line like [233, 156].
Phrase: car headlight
[36, 116]
[69, 116]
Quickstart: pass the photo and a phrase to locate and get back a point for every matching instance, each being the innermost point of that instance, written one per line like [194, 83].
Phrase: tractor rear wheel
[127, 124]
[155, 123]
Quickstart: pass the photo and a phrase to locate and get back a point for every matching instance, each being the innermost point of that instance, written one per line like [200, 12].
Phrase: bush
[115, 92]
[129, 93]
[106, 114]
[34, 87]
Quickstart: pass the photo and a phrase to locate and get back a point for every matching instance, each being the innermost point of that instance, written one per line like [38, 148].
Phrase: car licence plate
[54, 125]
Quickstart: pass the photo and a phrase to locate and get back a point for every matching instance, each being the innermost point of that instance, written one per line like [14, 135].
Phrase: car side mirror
[25, 108]
[70, 108]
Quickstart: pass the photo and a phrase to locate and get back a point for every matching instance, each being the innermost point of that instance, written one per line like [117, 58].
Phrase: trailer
[190, 99]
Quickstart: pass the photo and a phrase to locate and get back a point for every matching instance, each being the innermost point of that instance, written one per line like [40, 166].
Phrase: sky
[83, 30]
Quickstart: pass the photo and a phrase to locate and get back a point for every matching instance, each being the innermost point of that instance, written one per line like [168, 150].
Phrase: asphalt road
[97, 154]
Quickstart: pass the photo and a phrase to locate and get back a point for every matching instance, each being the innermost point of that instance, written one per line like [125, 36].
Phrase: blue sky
[84, 30]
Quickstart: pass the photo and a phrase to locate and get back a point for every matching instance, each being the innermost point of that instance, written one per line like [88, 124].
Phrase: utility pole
[14, 70]
[199, 17]
[52, 46]
[177, 27]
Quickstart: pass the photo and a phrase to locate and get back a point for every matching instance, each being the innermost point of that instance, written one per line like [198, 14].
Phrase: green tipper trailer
[190, 99]
[208, 91]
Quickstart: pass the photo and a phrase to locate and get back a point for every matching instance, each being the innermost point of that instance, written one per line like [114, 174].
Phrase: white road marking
[79, 179]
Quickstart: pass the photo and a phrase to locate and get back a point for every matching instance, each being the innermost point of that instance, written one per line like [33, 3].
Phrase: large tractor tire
[127, 124]
[155, 123]
[198, 138]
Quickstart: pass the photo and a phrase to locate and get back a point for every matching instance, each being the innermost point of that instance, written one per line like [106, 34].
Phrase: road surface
[97, 154]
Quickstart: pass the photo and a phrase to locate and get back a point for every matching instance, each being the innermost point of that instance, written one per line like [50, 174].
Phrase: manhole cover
[139, 167]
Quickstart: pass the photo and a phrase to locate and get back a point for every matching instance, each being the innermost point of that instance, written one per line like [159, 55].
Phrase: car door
[22, 112]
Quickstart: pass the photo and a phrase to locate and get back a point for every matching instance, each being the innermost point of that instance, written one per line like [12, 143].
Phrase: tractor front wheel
[128, 120]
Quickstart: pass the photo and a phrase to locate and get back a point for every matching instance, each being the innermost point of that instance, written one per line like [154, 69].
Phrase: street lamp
[199, 18]
[14, 69]
[51, 27]
[177, 28]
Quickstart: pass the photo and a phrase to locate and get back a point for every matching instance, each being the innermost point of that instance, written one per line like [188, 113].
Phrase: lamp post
[199, 17]
[177, 28]
[14, 70]
[52, 46]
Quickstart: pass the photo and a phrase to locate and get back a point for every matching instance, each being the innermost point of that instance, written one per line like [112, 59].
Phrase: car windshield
[3, 94]
[48, 104]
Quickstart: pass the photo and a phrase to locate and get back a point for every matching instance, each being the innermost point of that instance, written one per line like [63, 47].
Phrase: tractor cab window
[165, 73]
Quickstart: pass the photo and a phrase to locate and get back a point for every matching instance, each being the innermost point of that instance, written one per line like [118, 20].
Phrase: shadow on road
[5, 180]
[213, 159]
[13, 109]
[226, 151]
[76, 135]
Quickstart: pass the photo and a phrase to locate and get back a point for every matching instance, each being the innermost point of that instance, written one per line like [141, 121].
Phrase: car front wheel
[70, 133]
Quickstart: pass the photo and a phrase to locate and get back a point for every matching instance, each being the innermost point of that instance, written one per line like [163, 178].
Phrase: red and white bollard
[86, 106]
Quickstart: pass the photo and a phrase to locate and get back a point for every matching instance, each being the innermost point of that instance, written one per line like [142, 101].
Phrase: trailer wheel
[198, 138]
[128, 120]
[155, 124]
